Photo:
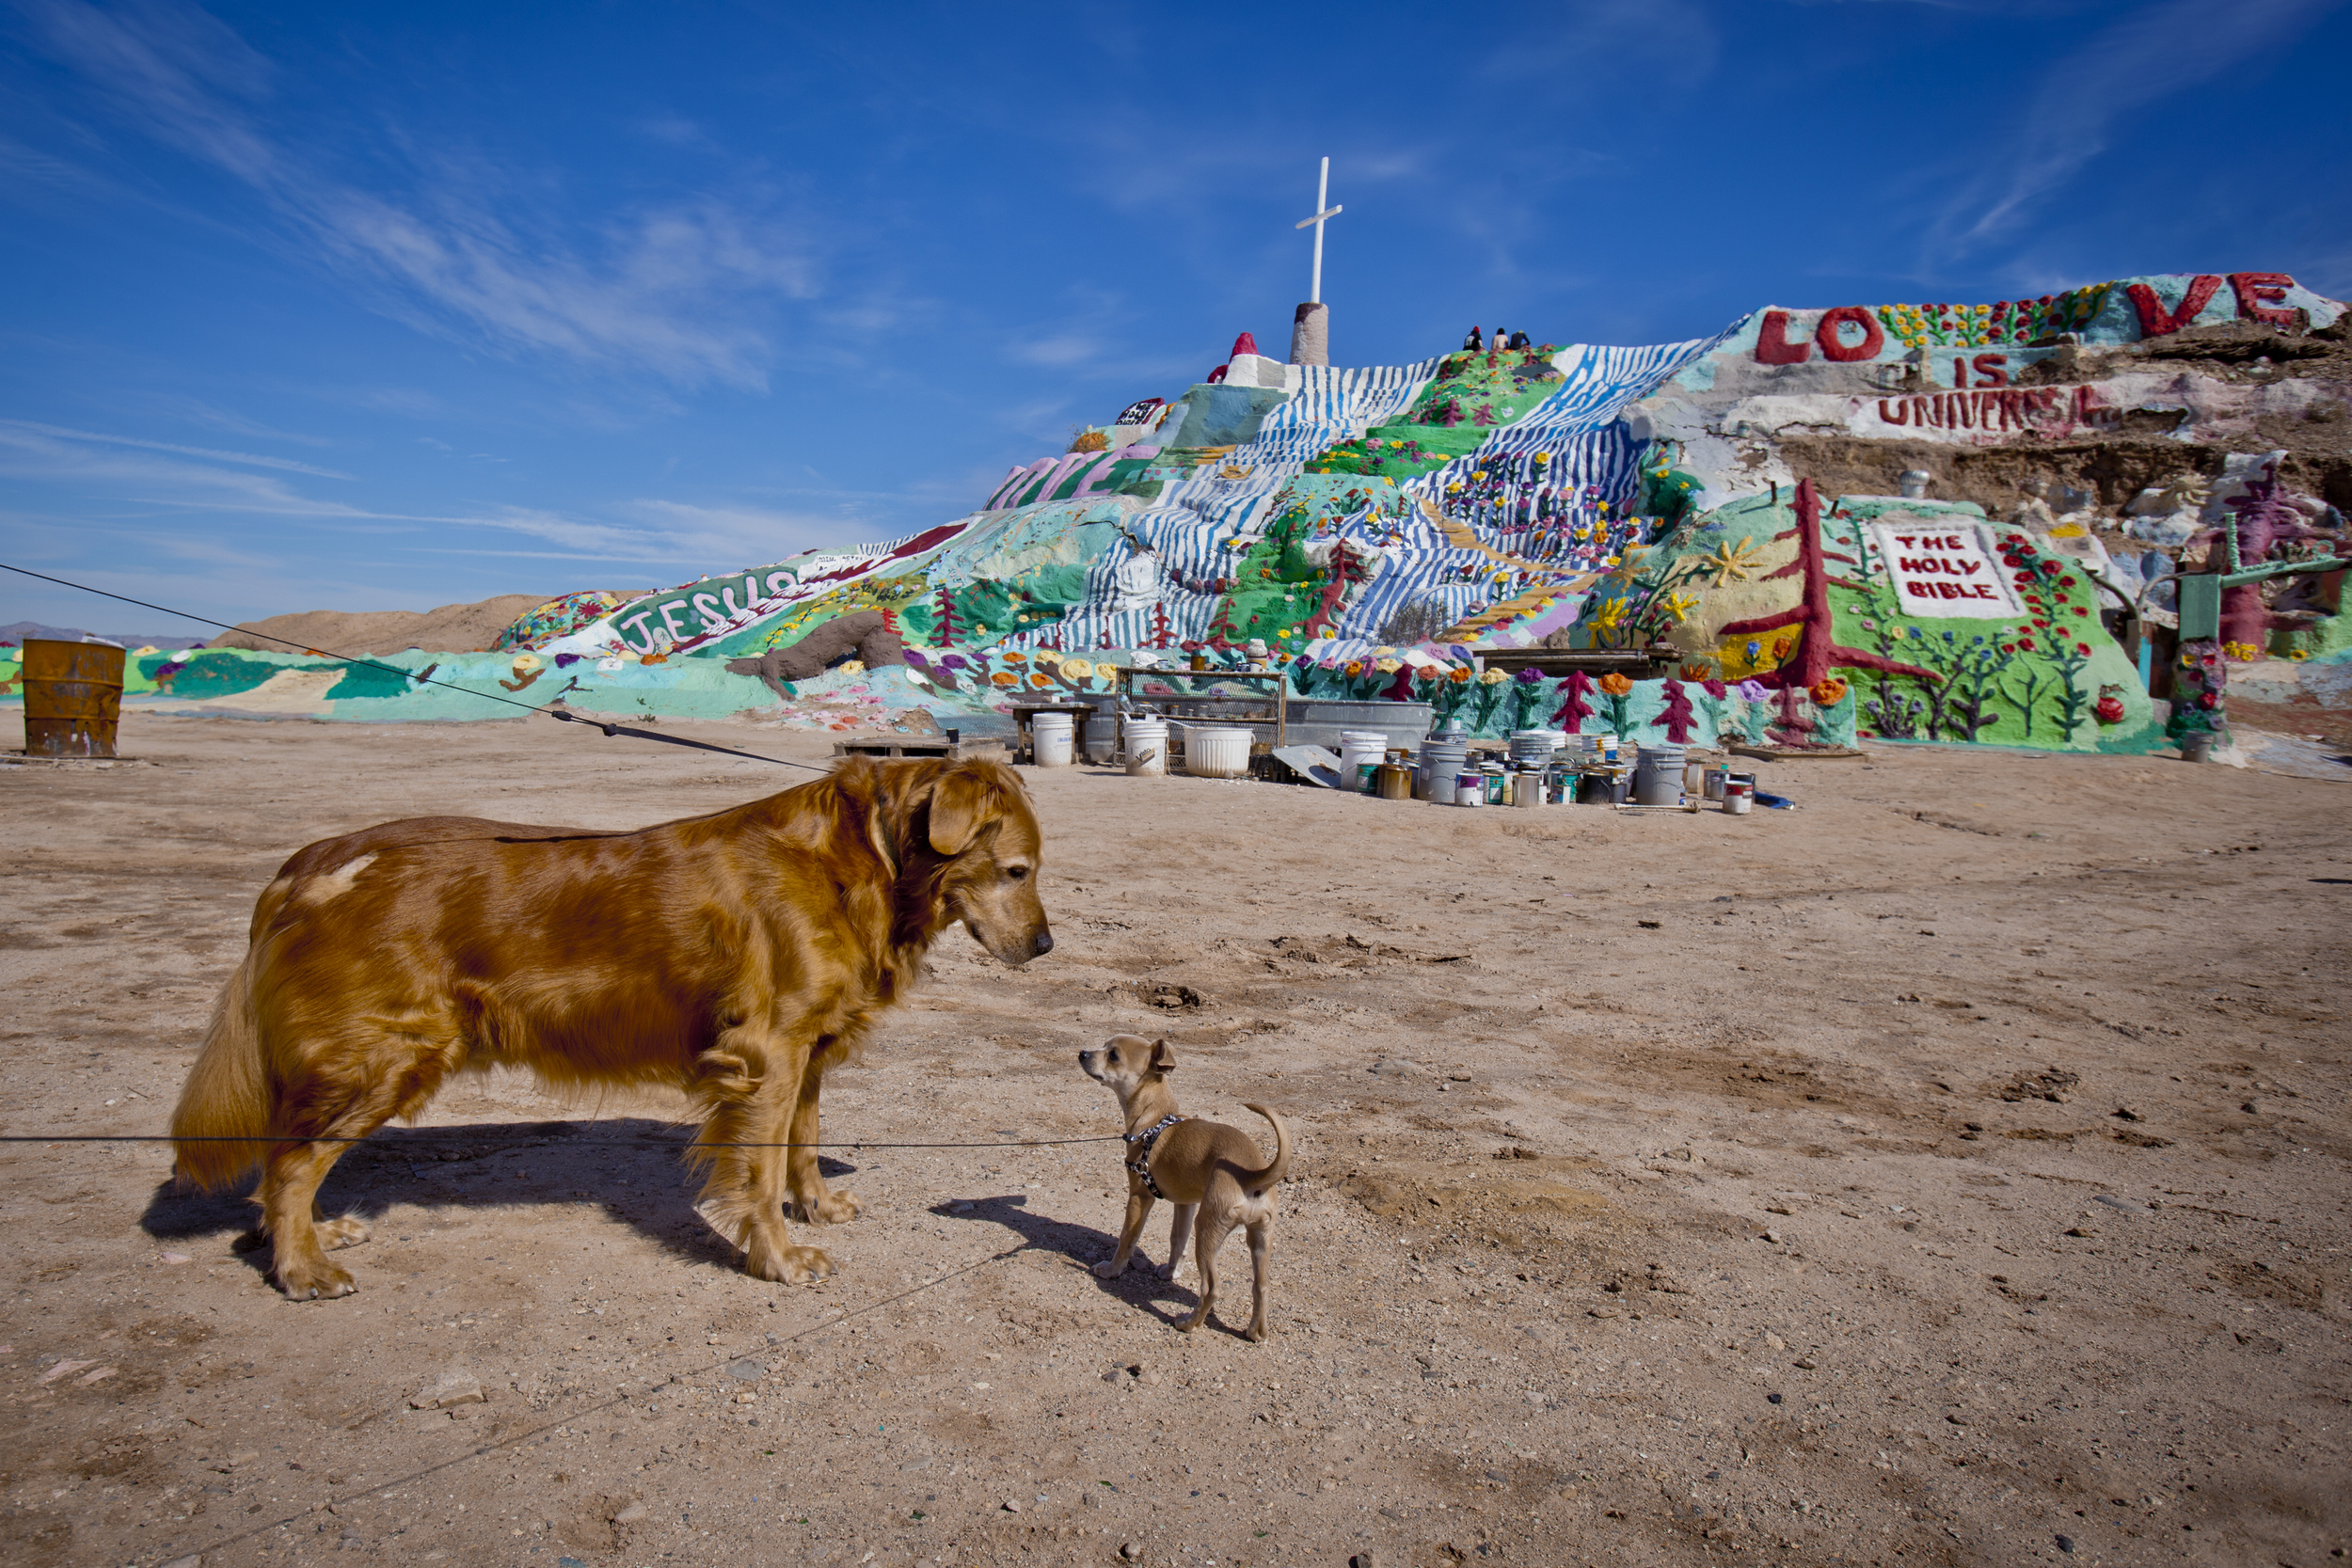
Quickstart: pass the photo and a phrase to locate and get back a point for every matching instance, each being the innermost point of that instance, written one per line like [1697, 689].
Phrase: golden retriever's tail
[1264, 1180]
[228, 1092]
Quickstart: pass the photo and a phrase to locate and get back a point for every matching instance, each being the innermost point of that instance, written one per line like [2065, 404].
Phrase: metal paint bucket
[1712, 783]
[1527, 788]
[1469, 789]
[1738, 799]
[73, 697]
[1397, 780]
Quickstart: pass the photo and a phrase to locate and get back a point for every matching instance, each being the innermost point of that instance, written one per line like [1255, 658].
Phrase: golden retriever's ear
[962, 803]
[1163, 1059]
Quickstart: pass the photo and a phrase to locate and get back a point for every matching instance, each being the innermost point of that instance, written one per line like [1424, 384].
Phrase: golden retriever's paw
[829, 1209]
[1109, 1269]
[341, 1233]
[320, 1281]
[1255, 1334]
[790, 1265]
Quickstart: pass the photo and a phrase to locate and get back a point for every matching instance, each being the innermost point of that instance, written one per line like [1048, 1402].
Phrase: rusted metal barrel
[72, 698]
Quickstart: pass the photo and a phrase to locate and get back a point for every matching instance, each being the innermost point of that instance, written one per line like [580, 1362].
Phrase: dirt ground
[1949, 1171]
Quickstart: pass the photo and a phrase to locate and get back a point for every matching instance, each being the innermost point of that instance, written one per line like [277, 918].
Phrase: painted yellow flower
[1733, 563]
[1610, 617]
[1389, 666]
[1383, 653]
[1047, 656]
[1678, 606]
[1077, 668]
[1494, 677]
[525, 663]
[1628, 565]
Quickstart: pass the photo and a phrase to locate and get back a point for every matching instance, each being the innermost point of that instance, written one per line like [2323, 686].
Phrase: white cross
[1322, 193]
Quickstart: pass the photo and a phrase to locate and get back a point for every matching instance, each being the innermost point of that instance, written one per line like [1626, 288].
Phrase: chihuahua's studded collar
[1139, 1153]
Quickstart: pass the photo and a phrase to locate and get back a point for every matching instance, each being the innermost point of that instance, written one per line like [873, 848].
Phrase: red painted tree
[1574, 709]
[1817, 652]
[1161, 631]
[1677, 719]
[946, 630]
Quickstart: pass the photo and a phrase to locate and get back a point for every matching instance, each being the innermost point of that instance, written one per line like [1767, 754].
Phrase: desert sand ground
[1951, 1170]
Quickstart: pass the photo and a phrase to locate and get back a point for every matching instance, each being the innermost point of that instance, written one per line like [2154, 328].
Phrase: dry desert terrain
[1949, 1171]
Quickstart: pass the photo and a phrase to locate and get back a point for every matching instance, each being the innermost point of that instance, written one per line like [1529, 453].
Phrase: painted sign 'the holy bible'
[1947, 570]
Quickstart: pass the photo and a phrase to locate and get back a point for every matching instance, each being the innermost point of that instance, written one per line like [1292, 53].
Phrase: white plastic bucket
[1147, 747]
[1217, 753]
[1051, 738]
[1358, 747]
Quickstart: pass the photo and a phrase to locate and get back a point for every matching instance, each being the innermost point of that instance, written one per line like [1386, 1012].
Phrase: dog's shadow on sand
[633, 1167]
[1142, 1286]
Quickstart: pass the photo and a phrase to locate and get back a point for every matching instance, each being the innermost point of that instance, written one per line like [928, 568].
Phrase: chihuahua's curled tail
[1259, 1183]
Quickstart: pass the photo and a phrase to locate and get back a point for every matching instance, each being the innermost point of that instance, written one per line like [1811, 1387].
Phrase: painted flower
[1355, 667]
[1077, 668]
[1678, 606]
[1013, 657]
[1003, 677]
[1829, 692]
[525, 663]
[1038, 680]
[1529, 676]
[1461, 675]
[1047, 656]
[2083, 648]
[1494, 677]
[1752, 691]
[1389, 666]
[1615, 684]
[2080, 610]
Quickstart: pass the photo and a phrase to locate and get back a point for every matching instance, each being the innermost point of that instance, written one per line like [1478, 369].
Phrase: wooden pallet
[1791, 753]
[915, 745]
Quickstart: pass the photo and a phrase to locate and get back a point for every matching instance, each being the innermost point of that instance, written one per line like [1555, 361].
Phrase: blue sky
[363, 307]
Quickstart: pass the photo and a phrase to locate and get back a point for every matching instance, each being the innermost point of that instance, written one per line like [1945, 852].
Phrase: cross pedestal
[1311, 334]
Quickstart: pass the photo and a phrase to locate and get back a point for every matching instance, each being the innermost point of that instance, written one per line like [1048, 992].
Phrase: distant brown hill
[454, 629]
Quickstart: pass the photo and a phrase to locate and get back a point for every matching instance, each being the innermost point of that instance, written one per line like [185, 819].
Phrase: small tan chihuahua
[1208, 1171]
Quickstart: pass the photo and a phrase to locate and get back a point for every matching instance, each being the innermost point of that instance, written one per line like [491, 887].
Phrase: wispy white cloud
[2151, 55]
[676, 291]
[243, 458]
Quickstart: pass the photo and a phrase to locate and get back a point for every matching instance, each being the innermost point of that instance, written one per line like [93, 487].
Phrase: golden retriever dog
[735, 956]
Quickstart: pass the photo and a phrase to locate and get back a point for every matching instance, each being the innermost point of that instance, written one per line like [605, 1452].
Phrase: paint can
[1146, 747]
[1051, 740]
[1396, 778]
[1738, 797]
[1368, 778]
[1469, 789]
[73, 697]
[1602, 787]
[1694, 780]
[1527, 787]
[2196, 746]
[1534, 746]
[1712, 784]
